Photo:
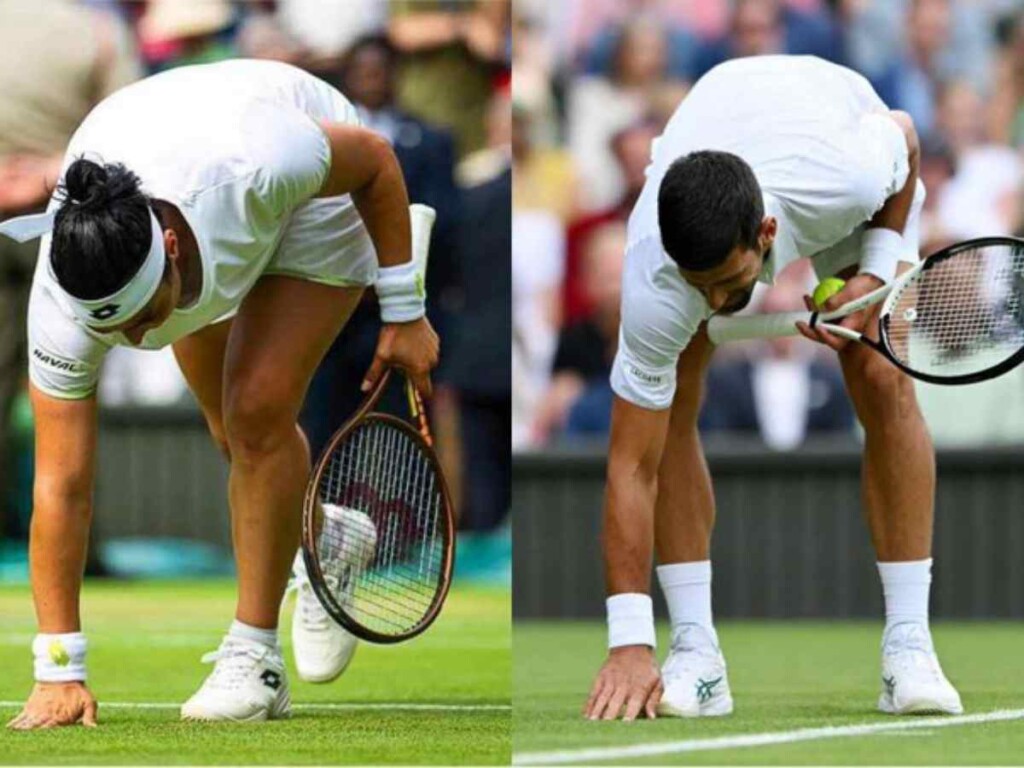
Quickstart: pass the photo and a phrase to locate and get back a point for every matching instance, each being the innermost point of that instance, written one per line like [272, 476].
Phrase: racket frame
[773, 325]
[317, 580]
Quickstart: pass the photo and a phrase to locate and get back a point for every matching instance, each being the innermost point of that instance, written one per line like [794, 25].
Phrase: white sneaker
[248, 683]
[912, 680]
[323, 649]
[694, 676]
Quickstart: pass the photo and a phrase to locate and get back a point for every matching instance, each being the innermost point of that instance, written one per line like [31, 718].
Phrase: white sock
[905, 587]
[245, 631]
[687, 590]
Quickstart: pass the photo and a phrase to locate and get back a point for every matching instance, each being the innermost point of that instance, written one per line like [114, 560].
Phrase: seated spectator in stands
[586, 347]
[599, 107]
[766, 27]
[632, 149]
[545, 178]
[983, 196]
[598, 58]
[782, 391]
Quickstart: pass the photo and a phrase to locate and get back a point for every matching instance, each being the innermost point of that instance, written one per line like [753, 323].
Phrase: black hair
[376, 40]
[102, 230]
[708, 204]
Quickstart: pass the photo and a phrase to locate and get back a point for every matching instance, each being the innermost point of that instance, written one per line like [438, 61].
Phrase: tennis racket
[378, 532]
[956, 317]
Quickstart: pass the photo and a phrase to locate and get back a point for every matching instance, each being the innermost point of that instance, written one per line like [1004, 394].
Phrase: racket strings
[380, 529]
[963, 315]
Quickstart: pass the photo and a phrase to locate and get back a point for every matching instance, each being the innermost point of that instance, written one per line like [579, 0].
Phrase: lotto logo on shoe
[271, 679]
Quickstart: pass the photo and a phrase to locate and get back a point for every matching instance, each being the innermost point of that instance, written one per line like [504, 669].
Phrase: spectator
[600, 107]
[783, 391]
[176, 33]
[56, 62]
[478, 366]
[632, 150]
[982, 197]
[538, 263]
[453, 53]
[544, 177]
[766, 27]
[586, 347]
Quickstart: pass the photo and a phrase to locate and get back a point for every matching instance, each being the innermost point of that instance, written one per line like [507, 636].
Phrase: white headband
[119, 306]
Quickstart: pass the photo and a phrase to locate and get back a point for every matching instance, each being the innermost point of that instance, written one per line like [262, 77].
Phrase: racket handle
[769, 326]
[421, 221]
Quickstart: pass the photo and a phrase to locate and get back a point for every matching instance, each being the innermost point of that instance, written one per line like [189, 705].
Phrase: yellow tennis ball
[59, 654]
[826, 289]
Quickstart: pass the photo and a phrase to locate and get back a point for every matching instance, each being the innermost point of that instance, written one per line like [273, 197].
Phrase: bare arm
[629, 681]
[62, 507]
[637, 442]
[62, 511]
[364, 166]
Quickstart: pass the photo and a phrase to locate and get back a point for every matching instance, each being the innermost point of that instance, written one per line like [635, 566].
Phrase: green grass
[145, 643]
[783, 676]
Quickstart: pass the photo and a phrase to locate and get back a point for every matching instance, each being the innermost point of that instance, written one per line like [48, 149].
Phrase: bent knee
[873, 382]
[257, 423]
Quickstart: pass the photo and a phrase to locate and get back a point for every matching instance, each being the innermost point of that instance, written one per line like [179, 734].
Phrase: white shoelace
[234, 662]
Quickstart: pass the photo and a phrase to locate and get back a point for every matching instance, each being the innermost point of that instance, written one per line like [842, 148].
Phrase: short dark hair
[708, 204]
[102, 230]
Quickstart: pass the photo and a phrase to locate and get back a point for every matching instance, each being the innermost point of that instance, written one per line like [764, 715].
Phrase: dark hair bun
[91, 185]
[102, 231]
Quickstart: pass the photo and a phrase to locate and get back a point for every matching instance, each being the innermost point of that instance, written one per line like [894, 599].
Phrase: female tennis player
[236, 211]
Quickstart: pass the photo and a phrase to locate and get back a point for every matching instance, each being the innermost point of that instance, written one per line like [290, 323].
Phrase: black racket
[957, 317]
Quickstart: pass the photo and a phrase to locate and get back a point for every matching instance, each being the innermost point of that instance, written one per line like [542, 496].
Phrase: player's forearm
[383, 204]
[59, 538]
[628, 537]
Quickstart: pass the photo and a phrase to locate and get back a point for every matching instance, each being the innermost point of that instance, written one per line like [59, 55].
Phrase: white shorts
[326, 242]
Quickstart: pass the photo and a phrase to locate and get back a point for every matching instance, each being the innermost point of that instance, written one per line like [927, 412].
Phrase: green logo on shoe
[706, 688]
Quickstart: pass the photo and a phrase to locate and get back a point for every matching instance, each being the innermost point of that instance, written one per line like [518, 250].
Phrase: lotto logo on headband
[105, 312]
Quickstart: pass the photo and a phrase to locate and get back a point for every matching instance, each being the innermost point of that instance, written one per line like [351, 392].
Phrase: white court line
[755, 739]
[353, 706]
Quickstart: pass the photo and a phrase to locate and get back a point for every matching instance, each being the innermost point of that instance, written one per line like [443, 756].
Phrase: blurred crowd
[433, 76]
[596, 81]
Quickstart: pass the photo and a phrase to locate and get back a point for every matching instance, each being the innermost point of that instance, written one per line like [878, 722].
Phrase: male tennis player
[236, 211]
[767, 160]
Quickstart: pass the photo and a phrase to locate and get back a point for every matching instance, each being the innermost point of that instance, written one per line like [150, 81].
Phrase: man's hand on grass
[629, 678]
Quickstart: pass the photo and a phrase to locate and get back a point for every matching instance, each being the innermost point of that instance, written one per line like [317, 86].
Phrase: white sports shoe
[248, 683]
[912, 680]
[694, 676]
[323, 649]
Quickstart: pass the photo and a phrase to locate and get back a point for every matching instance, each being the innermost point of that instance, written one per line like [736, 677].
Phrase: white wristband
[401, 293]
[59, 658]
[880, 251]
[630, 620]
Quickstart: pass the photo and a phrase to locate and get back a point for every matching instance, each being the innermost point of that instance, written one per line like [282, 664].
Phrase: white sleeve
[290, 152]
[881, 163]
[660, 314]
[64, 360]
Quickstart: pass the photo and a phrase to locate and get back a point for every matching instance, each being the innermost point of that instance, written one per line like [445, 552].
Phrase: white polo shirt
[826, 155]
[237, 147]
